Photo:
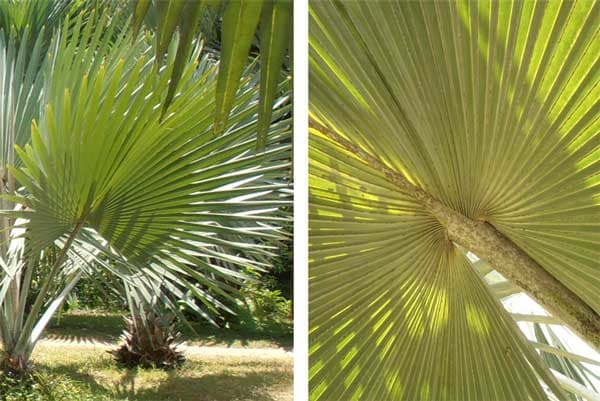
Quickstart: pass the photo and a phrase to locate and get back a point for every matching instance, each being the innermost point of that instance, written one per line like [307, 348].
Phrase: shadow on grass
[178, 386]
[84, 327]
[209, 335]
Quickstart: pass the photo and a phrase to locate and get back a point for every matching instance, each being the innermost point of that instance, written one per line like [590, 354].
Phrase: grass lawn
[222, 365]
[208, 378]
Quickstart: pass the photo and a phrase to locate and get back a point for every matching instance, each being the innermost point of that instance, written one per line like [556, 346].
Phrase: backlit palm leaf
[489, 108]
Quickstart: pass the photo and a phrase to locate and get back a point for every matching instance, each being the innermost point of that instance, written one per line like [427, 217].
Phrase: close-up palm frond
[445, 136]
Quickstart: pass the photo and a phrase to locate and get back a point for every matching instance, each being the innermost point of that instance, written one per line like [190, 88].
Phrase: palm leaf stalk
[436, 129]
[488, 243]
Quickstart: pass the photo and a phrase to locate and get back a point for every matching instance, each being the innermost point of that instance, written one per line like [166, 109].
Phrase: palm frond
[20, 89]
[240, 22]
[384, 278]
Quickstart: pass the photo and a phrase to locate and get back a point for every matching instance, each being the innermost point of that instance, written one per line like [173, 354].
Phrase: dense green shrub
[94, 294]
[281, 275]
[262, 310]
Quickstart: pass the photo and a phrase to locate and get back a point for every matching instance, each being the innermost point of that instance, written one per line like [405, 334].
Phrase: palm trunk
[150, 338]
[484, 240]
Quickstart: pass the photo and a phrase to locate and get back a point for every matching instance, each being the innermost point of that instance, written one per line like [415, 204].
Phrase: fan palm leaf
[483, 112]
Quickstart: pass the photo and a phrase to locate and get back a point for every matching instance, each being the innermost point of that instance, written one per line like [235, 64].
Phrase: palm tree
[445, 136]
[96, 177]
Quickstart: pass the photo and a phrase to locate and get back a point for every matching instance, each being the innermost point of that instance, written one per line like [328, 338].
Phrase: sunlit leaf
[275, 30]
[240, 20]
[489, 108]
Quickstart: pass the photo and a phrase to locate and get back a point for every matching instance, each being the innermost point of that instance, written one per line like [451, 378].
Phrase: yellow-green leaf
[190, 19]
[275, 31]
[490, 107]
[169, 13]
[139, 13]
[240, 20]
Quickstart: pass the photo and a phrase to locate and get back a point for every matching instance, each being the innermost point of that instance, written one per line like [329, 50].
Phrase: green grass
[80, 365]
[94, 377]
[82, 326]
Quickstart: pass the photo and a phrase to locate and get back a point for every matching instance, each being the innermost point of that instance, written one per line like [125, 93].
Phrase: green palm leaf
[276, 20]
[489, 109]
[19, 16]
[384, 279]
[101, 131]
[240, 22]
[21, 86]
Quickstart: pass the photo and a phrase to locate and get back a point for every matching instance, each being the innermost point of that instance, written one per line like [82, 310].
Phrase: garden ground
[221, 365]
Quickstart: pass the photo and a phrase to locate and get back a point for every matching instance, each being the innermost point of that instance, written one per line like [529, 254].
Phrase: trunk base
[16, 367]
